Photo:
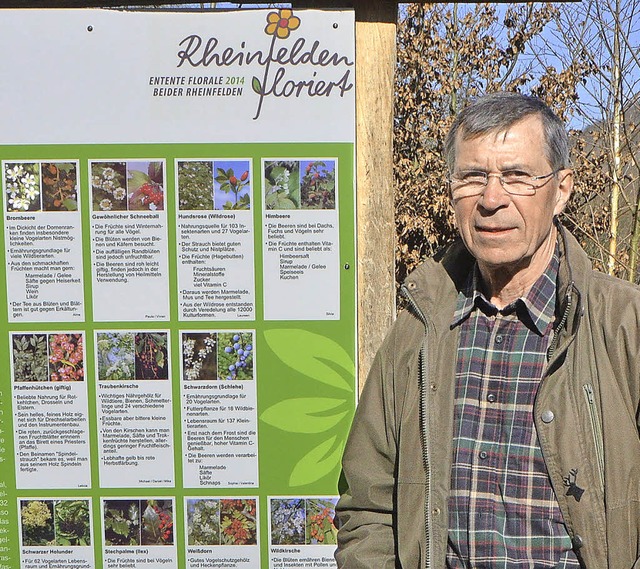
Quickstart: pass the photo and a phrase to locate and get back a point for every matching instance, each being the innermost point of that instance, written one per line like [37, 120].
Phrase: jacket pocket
[596, 430]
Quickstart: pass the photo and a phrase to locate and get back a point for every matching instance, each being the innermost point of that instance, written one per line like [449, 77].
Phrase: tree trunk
[616, 146]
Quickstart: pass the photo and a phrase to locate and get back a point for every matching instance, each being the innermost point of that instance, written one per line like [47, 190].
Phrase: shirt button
[491, 398]
[483, 455]
[547, 416]
[577, 541]
[499, 339]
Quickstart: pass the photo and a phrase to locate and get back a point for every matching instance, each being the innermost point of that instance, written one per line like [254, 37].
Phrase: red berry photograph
[145, 186]
[232, 184]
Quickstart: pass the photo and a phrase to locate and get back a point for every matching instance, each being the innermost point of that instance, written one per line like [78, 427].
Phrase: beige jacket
[398, 458]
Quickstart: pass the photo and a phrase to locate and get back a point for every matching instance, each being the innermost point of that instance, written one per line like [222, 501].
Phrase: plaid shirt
[503, 512]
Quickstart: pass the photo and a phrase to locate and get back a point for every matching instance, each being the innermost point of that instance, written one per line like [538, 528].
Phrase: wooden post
[375, 66]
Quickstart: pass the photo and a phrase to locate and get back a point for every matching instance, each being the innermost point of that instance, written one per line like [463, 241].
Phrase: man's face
[500, 230]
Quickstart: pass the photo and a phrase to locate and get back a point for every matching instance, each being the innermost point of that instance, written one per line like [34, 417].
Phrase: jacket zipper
[424, 429]
[563, 320]
[596, 429]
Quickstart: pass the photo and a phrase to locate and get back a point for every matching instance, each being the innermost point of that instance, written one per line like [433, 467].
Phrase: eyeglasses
[470, 183]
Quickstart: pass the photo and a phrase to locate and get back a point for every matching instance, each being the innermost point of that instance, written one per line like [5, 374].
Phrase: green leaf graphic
[301, 415]
[255, 85]
[308, 353]
[316, 464]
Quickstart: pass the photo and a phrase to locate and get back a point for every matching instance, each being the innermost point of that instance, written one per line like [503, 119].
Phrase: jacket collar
[434, 285]
[535, 308]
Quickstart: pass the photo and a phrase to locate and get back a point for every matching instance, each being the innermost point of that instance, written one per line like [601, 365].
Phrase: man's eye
[473, 176]
[516, 176]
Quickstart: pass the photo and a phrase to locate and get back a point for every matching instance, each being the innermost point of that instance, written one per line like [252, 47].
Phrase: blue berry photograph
[235, 356]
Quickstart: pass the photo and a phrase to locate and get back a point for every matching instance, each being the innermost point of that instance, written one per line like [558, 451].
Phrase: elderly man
[499, 425]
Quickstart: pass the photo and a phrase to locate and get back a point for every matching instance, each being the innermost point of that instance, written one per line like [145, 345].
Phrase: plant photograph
[30, 358]
[282, 184]
[121, 522]
[321, 529]
[199, 356]
[318, 184]
[109, 186]
[195, 185]
[232, 185]
[66, 355]
[115, 352]
[238, 522]
[288, 520]
[157, 522]
[203, 521]
[72, 522]
[151, 360]
[145, 185]
[22, 186]
[235, 355]
[59, 186]
[36, 521]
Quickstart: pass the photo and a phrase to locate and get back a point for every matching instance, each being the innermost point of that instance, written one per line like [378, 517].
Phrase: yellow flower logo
[281, 23]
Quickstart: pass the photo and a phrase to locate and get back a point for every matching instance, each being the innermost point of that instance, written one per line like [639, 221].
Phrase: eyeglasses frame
[533, 187]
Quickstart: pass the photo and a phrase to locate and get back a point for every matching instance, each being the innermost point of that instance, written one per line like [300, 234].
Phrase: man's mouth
[491, 229]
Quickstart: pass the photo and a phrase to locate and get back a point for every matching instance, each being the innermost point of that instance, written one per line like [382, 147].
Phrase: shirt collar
[536, 309]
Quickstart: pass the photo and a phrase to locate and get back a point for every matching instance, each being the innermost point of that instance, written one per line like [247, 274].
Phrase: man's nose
[494, 195]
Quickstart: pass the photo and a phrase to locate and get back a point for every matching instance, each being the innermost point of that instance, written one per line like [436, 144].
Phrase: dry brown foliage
[447, 55]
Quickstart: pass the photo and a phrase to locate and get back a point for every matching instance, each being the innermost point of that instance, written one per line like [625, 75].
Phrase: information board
[177, 291]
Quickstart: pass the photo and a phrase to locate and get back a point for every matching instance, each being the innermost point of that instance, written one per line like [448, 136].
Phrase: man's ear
[563, 192]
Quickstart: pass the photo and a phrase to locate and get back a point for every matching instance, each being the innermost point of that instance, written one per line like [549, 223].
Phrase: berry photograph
[66, 357]
[61, 523]
[318, 184]
[151, 355]
[156, 522]
[137, 185]
[232, 185]
[211, 356]
[235, 355]
[48, 357]
[145, 186]
[238, 522]
[321, 529]
[72, 522]
[59, 186]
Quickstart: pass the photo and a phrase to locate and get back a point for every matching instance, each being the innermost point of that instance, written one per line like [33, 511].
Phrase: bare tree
[605, 35]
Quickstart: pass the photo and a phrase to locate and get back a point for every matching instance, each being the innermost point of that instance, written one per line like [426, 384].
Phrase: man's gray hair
[499, 111]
